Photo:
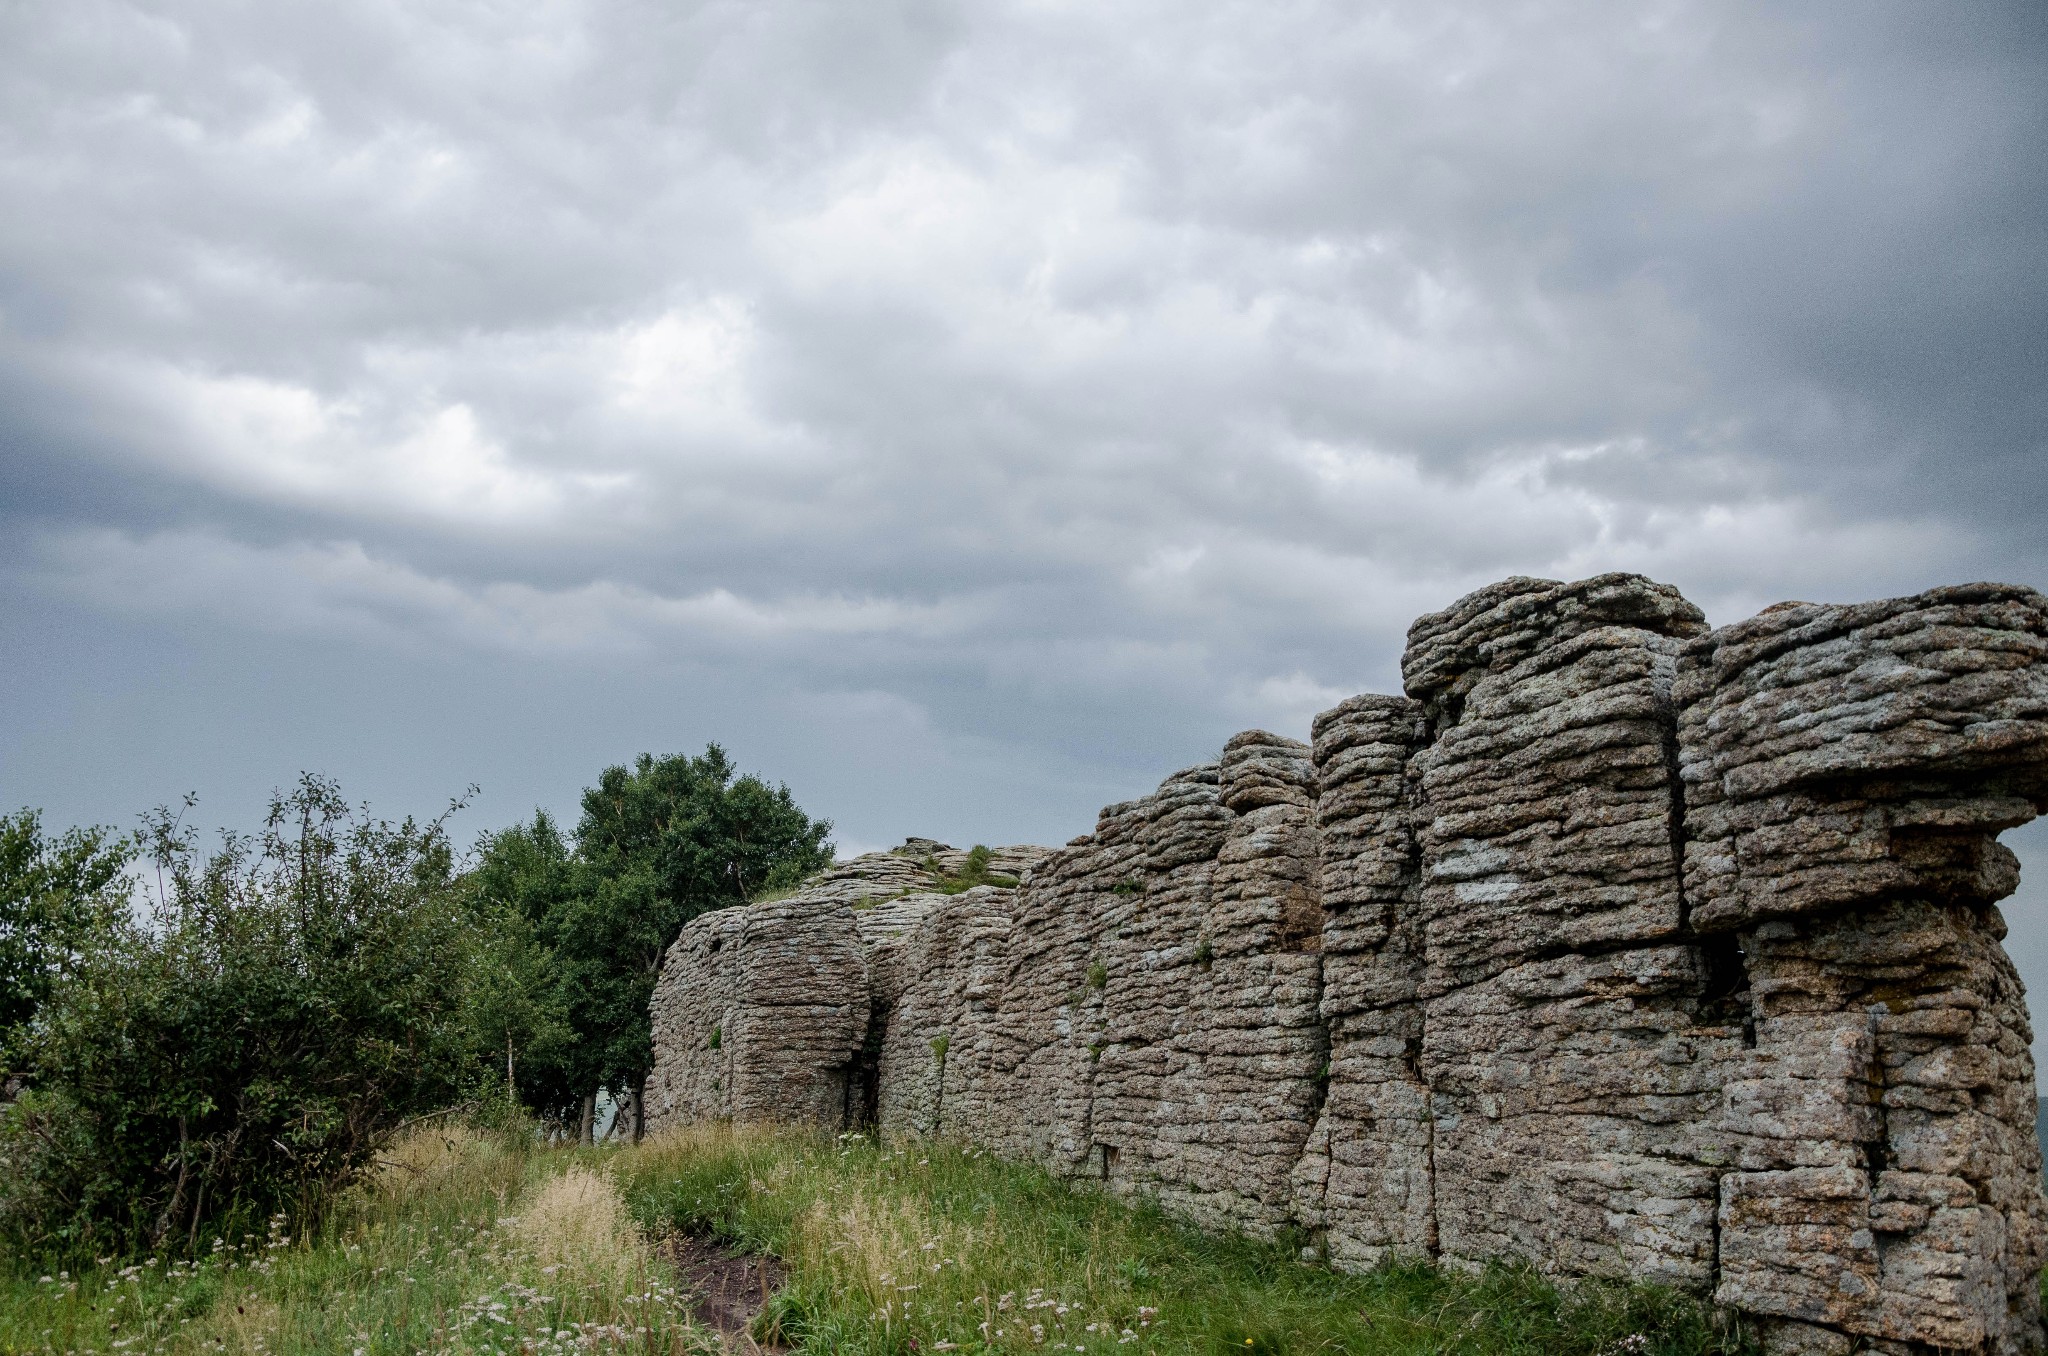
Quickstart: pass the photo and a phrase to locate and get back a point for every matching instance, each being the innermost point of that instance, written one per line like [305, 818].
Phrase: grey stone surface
[1617, 944]
[1846, 772]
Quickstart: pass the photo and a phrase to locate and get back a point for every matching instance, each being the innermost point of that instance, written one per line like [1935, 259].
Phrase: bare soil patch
[727, 1288]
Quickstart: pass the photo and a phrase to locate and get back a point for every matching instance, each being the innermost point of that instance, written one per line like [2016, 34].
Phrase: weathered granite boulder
[1619, 944]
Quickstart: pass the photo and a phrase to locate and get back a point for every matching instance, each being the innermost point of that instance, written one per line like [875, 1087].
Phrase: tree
[245, 1048]
[522, 879]
[55, 895]
[660, 843]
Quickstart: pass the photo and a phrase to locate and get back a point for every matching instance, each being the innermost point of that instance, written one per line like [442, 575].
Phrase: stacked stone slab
[1367, 1180]
[767, 1027]
[1211, 991]
[1847, 771]
[774, 1011]
[1570, 1044]
[1618, 944]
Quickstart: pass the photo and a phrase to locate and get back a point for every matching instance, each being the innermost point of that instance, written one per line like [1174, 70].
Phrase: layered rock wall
[1619, 944]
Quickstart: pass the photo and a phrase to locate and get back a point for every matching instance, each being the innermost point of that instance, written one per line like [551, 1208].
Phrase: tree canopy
[659, 842]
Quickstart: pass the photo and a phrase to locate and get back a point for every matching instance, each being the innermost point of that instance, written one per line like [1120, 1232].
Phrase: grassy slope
[465, 1242]
[481, 1243]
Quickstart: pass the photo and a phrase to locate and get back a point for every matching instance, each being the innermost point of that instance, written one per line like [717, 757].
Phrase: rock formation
[1617, 943]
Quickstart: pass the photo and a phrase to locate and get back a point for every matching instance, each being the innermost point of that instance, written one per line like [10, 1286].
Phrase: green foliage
[515, 1005]
[1205, 953]
[1098, 975]
[717, 1037]
[972, 873]
[245, 1049]
[940, 1044]
[56, 895]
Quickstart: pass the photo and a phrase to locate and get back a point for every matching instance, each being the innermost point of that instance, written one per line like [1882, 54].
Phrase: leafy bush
[245, 1047]
[517, 1010]
[56, 894]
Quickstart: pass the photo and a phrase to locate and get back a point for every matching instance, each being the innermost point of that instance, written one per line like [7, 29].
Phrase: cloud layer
[968, 412]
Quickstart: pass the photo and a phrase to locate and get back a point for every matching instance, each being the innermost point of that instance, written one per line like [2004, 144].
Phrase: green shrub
[245, 1048]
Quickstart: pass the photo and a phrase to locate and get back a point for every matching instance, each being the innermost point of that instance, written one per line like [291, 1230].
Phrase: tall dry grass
[575, 1225]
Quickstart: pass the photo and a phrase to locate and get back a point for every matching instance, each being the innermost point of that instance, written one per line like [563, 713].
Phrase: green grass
[930, 1247]
[479, 1242]
[429, 1257]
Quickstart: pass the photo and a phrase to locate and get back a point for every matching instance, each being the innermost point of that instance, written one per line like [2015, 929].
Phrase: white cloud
[268, 439]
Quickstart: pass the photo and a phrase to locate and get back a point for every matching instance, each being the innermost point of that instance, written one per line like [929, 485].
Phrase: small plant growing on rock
[1129, 885]
[717, 1038]
[1204, 953]
[940, 1043]
[974, 872]
[1098, 975]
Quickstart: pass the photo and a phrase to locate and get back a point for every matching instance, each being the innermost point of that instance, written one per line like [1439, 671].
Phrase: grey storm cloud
[969, 412]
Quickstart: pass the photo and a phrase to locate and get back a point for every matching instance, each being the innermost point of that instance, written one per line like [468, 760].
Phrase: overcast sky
[967, 413]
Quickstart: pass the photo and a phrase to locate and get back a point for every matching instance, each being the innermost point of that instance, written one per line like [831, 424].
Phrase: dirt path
[727, 1288]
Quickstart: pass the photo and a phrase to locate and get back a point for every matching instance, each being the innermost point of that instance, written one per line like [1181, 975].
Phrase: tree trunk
[639, 1110]
[583, 1136]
